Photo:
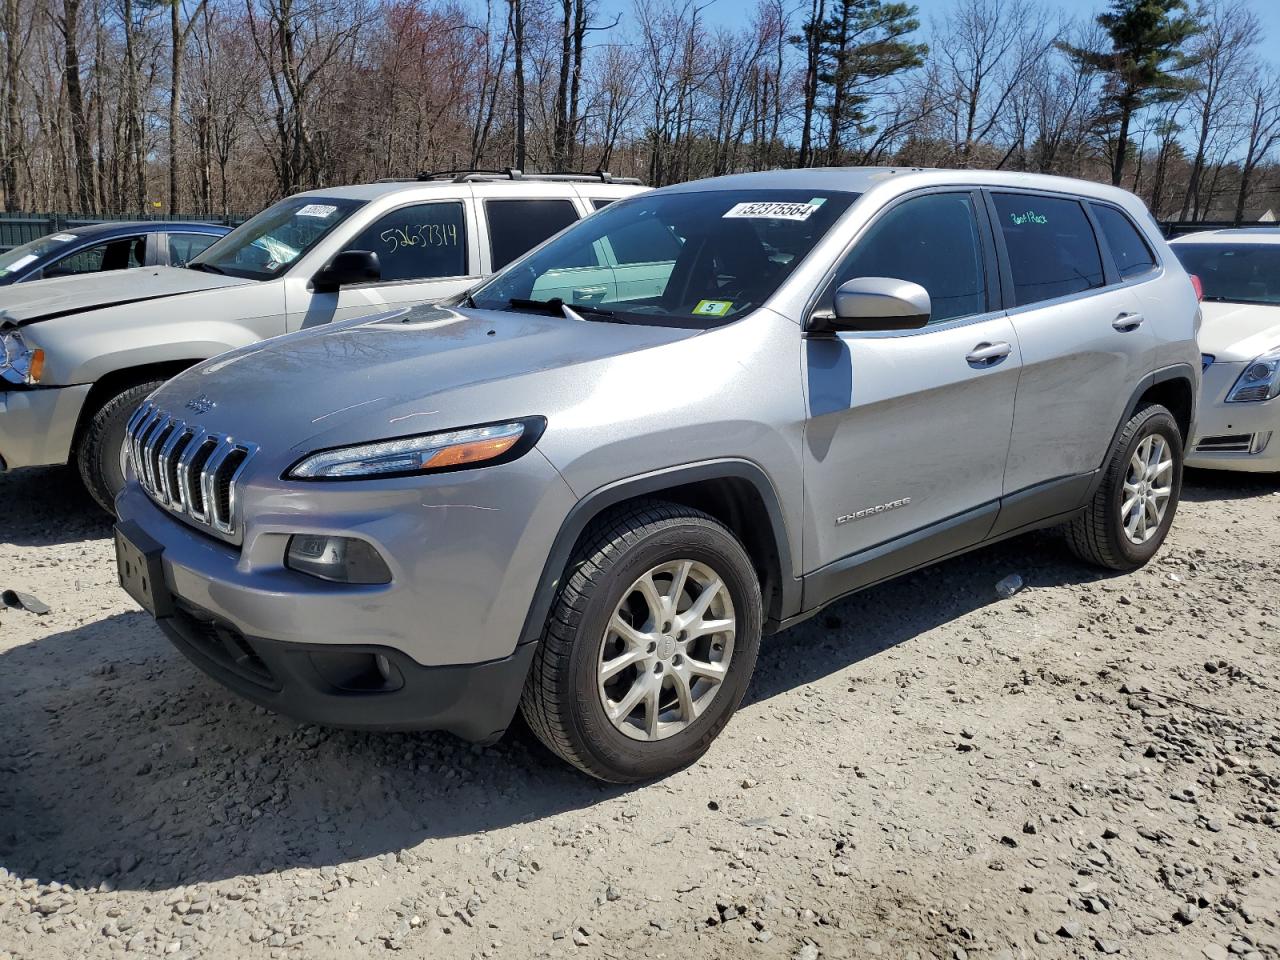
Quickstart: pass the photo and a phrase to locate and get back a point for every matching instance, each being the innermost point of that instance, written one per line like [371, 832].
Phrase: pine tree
[851, 49]
[1144, 66]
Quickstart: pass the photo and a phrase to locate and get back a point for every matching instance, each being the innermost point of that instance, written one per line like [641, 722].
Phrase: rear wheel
[98, 452]
[1133, 508]
[650, 645]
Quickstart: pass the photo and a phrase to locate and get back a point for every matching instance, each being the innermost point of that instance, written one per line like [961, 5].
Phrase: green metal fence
[20, 228]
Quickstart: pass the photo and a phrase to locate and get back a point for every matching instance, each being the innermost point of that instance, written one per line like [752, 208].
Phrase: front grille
[186, 468]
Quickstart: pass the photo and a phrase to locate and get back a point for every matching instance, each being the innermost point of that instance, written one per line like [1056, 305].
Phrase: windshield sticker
[62, 237]
[712, 308]
[817, 201]
[21, 262]
[770, 210]
[321, 210]
[1029, 217]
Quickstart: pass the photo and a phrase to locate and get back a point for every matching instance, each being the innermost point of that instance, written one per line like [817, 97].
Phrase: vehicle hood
[24, 303]
[1238, 331]
[397, 374]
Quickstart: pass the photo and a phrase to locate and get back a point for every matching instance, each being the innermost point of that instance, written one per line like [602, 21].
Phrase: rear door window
[427, 241]
[184, 246]
[517, 226]
[1051, 247]
[1132, 255]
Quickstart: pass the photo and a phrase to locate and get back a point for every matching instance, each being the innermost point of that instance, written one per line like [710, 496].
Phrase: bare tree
[1222, 52]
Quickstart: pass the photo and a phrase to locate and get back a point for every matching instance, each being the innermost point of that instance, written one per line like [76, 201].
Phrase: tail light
[1197, 286]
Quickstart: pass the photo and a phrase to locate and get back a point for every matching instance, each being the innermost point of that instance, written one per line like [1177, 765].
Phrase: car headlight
[1260, 380]
[427, 453]
[18, 362]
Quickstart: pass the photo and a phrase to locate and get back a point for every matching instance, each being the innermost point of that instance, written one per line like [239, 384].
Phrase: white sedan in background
[1238, 424]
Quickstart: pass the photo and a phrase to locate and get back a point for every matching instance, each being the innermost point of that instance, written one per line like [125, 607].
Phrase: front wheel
[650, 645]
[98, 452]
[1132, 510]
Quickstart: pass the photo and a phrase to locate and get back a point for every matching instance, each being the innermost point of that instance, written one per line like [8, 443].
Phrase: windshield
[20, 258]
[1234, 272]
[264, 247]
[679, 259]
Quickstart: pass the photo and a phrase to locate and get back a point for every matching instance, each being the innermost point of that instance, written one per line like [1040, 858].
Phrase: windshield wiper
[556, 305]
[207, 268]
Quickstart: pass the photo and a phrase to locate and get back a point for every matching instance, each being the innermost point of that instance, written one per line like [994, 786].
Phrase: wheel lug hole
[657, 668]
[677, 660]
[652, 647]
[666, 627]
[683, 636]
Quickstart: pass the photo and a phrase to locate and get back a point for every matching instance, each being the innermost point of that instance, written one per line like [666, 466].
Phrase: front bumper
[1234, 436]
[37, 426]
[434, 649]
[356, 686]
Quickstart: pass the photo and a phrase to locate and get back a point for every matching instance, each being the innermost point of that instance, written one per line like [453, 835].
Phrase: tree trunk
[75, 104]
[517, 20]
[813, 49]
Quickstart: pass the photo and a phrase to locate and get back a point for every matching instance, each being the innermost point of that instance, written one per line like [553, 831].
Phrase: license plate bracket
[141, 572]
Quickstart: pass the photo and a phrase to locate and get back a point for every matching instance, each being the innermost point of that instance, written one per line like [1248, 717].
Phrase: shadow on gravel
[55, 508]
[1199, 486]
[120, 762]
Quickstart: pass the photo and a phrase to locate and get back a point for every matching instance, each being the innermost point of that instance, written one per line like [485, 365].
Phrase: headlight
[1260, 380]
[340, 559]
[428, 453]
[18, 362]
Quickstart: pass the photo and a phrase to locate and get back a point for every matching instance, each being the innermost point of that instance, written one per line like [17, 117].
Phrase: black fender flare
[1176, 371]
[647, 484]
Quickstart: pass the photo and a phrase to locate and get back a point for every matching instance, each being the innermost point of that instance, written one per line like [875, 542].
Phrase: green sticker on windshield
[712, 308]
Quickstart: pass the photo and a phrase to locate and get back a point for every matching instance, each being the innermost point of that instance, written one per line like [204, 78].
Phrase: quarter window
[934, 241]
[517, 226]
[1051, 246]
[1132, 255]
[426, 241]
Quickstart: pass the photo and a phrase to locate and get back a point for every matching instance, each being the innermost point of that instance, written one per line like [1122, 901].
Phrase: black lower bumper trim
[338, 684]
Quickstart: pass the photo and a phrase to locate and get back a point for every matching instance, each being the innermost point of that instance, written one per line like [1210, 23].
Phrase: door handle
[989, 354]
[1128, 321]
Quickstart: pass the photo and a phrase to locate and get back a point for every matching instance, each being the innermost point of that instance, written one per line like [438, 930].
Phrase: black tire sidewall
[702, 542]
[101, 443]
[1155, 420]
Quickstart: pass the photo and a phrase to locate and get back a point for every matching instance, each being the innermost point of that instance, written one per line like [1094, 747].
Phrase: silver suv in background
[78, 354]
[587, 494]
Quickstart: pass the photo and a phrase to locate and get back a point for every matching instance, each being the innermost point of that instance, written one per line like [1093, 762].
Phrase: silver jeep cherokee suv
[587, 493]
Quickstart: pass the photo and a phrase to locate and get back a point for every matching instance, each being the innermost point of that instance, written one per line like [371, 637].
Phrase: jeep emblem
[200, 404]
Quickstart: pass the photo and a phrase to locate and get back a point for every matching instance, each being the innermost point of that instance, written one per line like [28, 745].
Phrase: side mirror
[876, 303]
[350, 266]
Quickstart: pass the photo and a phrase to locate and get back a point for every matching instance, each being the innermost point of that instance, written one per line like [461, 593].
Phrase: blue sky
[730, 12]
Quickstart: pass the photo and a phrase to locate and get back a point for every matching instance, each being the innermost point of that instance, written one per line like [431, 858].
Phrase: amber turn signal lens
[474, 452]
[37, 366]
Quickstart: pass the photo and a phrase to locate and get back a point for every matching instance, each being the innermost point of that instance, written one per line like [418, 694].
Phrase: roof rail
[511, 173]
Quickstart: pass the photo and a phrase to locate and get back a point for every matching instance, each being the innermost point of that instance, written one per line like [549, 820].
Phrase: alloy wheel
[1148, 485]
[666, 651]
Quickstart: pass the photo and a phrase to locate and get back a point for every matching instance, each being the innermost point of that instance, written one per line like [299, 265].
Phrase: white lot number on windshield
[772, 210]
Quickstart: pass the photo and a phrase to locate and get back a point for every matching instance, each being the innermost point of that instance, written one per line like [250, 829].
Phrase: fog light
[338, 559]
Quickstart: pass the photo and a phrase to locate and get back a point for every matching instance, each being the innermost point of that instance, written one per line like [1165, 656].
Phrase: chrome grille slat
[187, 469]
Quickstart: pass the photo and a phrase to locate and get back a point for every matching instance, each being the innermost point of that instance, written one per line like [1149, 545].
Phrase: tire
[98, 451]
[1099, 535]
[564, 699]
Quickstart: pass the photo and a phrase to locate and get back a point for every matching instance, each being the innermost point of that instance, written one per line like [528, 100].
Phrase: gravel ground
[927, 770]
